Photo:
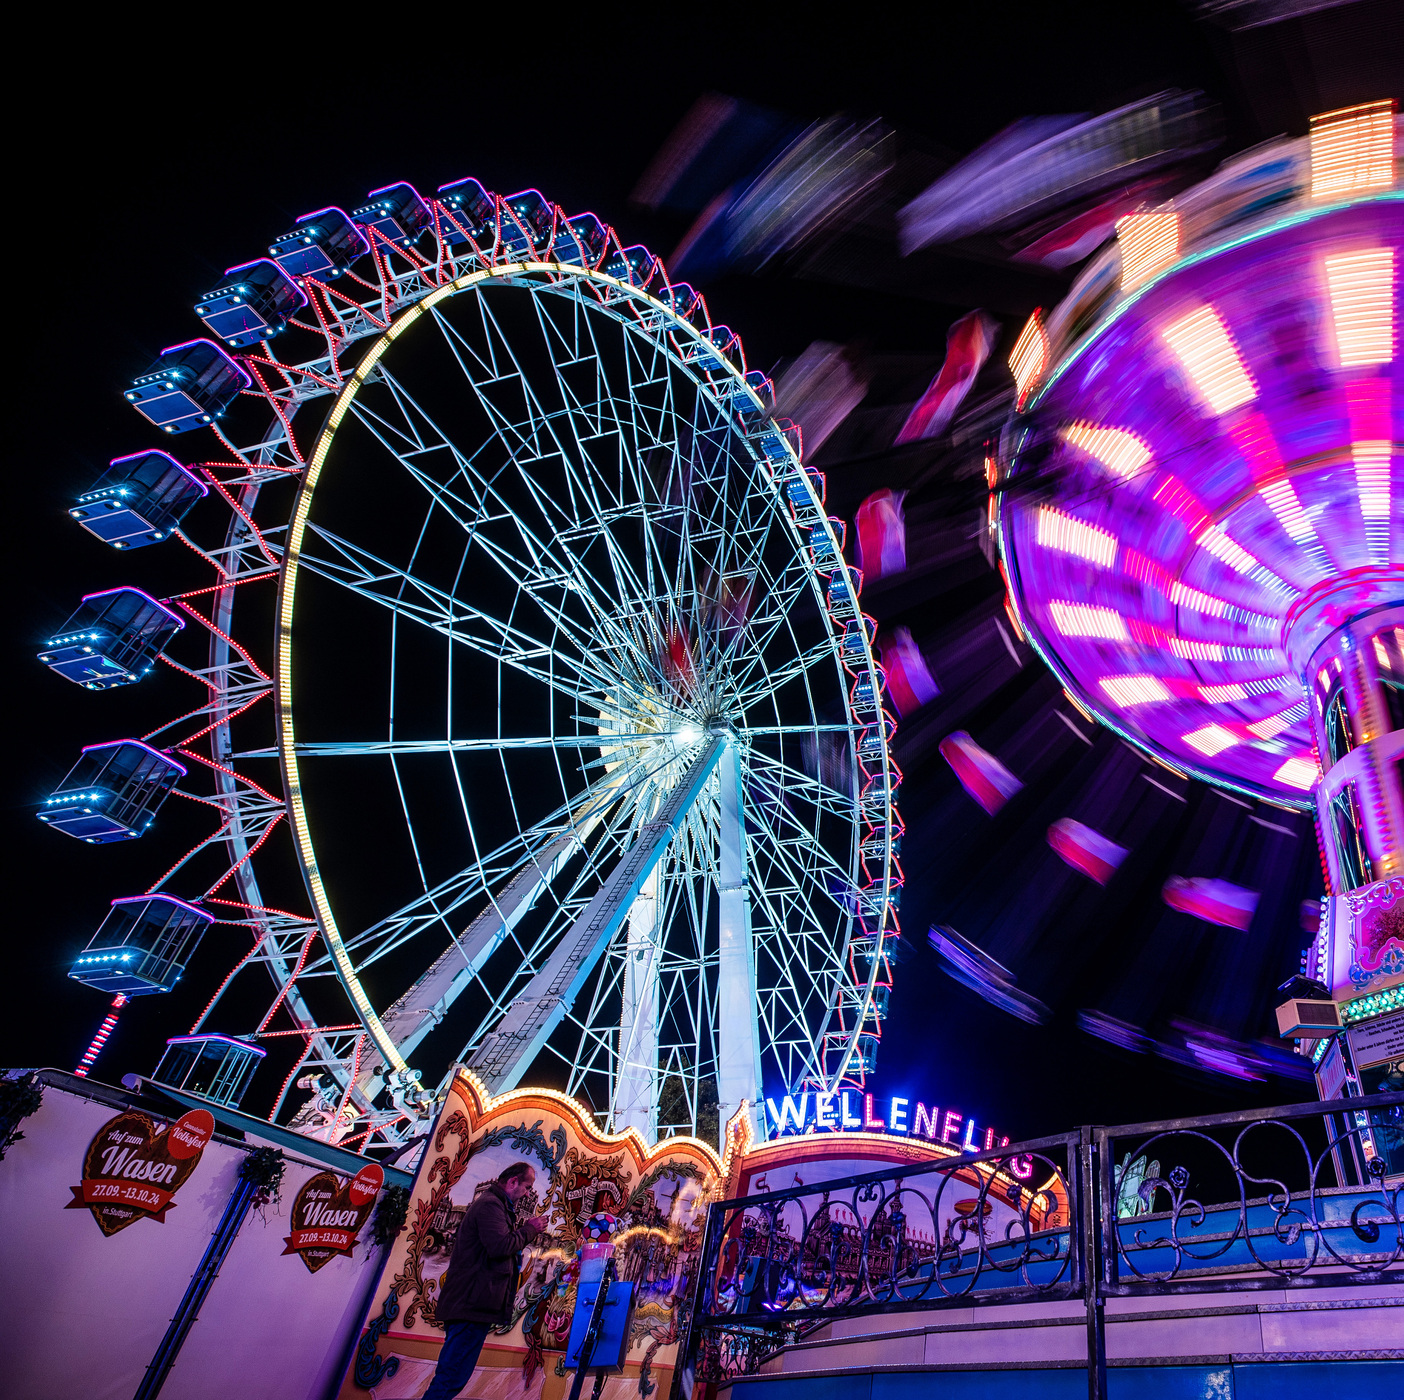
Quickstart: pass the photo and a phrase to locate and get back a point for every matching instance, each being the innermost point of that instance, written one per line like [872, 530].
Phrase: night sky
[141, 176]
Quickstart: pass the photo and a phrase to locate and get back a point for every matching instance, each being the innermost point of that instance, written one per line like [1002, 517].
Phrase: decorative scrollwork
[930, 1235]
[528, 1139]
[1241, 1196]
[371, 1368]
[1271, 1227]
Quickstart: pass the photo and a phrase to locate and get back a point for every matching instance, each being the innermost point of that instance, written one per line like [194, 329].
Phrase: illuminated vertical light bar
[1352, 149]
[1069, 535]
[1115, 448]
[1361, 286]
[1203, 346]
[1148, 241]
[109, 1024]
[1372, 484]
[1029, 358]
[1368, 403]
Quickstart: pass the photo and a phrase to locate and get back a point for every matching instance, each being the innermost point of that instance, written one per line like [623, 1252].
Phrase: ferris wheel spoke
[604, 810]
[811, 965]
[548, 562]
[490, 507]
[367, 747]
[747, 695]
[646, 437]
[798, 729]
[536, 852]
[801, 854]
[584, 503]
[528, 1021]
[487, 509]
[362, 573]
[747, 671]
[779, 778]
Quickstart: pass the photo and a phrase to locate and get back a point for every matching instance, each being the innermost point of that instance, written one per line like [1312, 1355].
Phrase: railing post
[1090, 1205]
[203, 1279]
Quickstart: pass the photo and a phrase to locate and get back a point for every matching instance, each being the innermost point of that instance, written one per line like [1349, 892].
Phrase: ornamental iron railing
[1304, 1196]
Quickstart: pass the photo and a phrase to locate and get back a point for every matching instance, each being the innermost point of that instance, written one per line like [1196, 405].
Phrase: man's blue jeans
[462, 1346]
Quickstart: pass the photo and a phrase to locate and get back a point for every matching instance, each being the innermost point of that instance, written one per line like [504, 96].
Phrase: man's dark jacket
[481, 1281]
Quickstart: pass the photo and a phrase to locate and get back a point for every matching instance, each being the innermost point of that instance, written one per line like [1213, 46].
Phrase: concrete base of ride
[1277, 1344]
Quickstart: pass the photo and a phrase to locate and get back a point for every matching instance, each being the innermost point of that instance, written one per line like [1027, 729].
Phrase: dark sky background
[138, 175]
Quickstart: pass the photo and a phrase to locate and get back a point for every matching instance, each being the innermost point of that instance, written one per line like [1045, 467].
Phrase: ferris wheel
[527, 622]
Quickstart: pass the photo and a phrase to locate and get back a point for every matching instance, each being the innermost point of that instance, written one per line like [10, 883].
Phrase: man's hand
[538, 1223]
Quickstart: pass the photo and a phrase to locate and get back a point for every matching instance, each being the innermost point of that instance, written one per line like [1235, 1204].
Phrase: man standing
[481, 1281]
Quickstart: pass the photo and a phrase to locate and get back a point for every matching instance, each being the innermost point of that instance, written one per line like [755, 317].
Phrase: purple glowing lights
[1208, 482]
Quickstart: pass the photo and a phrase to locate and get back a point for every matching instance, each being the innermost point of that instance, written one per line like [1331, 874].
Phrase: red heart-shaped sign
[133, 1167]
[329, 1212]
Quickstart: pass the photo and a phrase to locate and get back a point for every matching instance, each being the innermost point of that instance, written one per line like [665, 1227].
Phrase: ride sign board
[133, 1167]
[848, 1111]
[329, 1212]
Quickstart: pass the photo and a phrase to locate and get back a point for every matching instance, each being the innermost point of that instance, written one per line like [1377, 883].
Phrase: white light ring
[287, 586]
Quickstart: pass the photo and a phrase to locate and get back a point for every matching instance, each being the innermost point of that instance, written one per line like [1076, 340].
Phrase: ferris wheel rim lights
[495, 273]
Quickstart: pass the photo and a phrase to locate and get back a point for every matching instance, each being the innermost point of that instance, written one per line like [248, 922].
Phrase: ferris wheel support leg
[425, 1005]
[738, 1032]
[636, 1086]
[507, 1052]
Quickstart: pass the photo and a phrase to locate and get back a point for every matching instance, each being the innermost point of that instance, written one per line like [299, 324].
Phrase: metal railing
[1305, 1196]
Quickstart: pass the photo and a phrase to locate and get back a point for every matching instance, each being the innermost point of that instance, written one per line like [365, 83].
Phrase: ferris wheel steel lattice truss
[627, 795]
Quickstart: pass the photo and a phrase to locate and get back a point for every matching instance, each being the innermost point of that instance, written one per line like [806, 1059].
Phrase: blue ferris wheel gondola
[396, 213]
[865, 1053]
[142, 946]
[112, 793]
[322, 245]
[138, 500]
[581, 241]
[636, 266]
[113, 639]
[255, 305]
[528, 224]
[189, 385]
[469, 212]
[216, 1067]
